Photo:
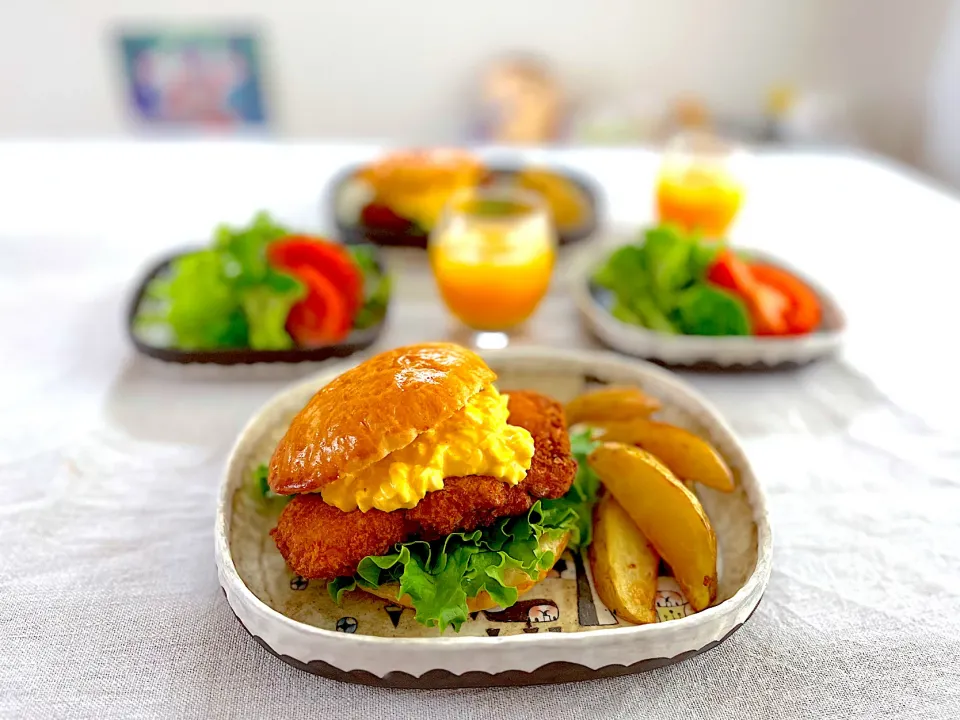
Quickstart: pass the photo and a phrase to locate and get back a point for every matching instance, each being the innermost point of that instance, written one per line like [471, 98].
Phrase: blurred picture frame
[201, 79]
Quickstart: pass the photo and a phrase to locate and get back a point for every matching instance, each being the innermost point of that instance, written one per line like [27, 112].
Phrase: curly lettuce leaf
[576, 506]
[489, 575]
[265, 293]
[198, 304]
[659, 282]
[653, 316]
[244, 250]
[708, 310]
[266, 308]
[227, 295]
[261, 487]
[376, 288]
[702, 255]
[440, 576]
[624, 273]
[667, 255]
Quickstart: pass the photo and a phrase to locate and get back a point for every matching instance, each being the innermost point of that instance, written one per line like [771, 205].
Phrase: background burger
[414, 479]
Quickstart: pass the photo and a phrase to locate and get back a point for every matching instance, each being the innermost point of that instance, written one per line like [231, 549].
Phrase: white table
[109, 603]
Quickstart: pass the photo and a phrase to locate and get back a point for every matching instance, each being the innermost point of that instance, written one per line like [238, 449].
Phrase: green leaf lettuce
[660, 282]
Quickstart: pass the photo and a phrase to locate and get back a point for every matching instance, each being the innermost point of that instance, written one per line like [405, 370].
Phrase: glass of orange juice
[492, 254]
[700, 186]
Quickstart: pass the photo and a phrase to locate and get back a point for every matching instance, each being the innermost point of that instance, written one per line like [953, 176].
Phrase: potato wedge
[610, 403]
[669, 515]
[624, 564]
[689, 457]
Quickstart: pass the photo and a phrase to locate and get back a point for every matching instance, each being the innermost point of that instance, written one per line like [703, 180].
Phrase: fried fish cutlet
[320, 541]
[553, 468]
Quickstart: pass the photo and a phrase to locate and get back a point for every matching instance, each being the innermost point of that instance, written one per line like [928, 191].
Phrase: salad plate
[722, 344]
[356, 341]
[561, 631]
[260, 294]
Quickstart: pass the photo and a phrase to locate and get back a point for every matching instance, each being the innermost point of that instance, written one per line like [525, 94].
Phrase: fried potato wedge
[625, 566]
[610, 403]
[669, 515]
[689, 457]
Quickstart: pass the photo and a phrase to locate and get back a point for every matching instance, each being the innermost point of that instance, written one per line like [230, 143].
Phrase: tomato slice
[730, 272]
[321, 318]
[295, 252]
[768, 305]
[805, 312]
[768, 310]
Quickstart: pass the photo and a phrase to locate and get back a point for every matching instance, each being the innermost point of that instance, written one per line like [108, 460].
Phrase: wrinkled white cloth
[109, 464]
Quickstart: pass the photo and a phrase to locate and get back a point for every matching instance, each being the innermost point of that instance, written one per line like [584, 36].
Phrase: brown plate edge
[352, 234]
[357, 341]
[549, 674]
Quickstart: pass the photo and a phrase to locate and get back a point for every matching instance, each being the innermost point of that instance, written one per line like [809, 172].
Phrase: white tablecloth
[109, 603]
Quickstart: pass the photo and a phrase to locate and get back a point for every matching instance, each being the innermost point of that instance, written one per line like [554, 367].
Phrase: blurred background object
[881, 74]
[809, 118]
[192, 79]
[522, 102]
[613, 120]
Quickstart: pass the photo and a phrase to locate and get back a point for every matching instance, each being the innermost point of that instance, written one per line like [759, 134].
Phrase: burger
[414, 479]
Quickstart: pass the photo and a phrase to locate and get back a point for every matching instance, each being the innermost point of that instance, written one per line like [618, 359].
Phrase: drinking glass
[492, 254]
[700, 185]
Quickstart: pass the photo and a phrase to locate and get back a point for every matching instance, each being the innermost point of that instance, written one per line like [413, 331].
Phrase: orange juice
[493, 262]
[700, 185]
[699, 199]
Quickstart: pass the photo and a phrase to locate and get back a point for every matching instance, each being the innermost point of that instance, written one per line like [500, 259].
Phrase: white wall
[402, 70]
[941, 153]
[881, 53]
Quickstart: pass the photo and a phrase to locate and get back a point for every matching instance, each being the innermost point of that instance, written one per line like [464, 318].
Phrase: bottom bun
[514, 578]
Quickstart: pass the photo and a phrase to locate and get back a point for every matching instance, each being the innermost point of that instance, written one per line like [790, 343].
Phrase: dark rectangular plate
[353, 234]
[357, 341]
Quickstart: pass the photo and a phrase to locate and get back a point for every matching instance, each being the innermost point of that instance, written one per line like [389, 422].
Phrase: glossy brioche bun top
[372, 410]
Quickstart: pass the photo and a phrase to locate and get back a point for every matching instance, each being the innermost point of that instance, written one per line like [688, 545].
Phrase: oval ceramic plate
[703, 352]
[356, 341]
[559, 631]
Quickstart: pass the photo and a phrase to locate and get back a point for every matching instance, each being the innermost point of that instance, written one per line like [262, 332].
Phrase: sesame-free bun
[372, 410]
[514, 577]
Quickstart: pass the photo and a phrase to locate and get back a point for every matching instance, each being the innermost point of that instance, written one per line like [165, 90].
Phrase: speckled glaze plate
[355, 342]
[702, 352]
[559, 631]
